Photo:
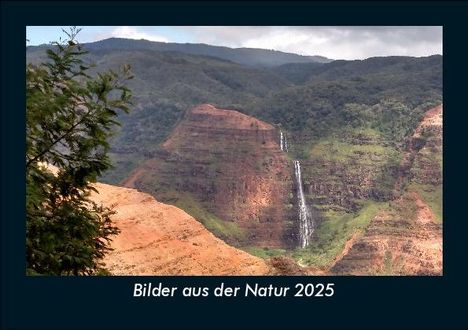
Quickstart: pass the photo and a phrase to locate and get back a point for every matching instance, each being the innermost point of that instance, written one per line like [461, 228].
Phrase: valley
[233, 165]
[227, 168]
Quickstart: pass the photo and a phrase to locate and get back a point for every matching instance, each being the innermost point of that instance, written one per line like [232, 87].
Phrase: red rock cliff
[160, 239]
[406, 237]
[231, 165]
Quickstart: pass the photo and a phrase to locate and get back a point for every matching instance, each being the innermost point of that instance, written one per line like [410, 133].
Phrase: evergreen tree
[69, 119]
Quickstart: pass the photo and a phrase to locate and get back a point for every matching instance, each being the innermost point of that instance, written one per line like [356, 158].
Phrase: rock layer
[405, 238]
[231, 165]
[401, 240]
[422, 161]
[159, 239]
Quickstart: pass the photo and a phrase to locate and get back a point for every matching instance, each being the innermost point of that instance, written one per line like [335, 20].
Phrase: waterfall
[306, 225]
[283, 142]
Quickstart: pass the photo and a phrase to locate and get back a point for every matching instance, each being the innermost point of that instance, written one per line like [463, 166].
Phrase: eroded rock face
[406, 237]
[348, 168]
[422, 161]
[160, 239]
[231, 165]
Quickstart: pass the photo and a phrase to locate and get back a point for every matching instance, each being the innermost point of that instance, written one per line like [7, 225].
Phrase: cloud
[131, 32]
[337, 42]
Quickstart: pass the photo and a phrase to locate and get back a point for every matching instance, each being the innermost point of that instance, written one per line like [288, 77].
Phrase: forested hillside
[353, 125]
[309, 99]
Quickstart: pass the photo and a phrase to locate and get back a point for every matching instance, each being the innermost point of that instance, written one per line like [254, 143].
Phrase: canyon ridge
[276, 164]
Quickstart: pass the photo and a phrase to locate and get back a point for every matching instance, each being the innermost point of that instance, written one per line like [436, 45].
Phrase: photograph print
[234, 150]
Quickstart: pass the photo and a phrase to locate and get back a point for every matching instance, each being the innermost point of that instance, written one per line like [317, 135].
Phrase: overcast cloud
[336, 42]
[332, 42]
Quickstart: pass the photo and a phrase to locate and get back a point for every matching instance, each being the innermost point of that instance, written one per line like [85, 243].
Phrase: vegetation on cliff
[350, 123]
[329, 97]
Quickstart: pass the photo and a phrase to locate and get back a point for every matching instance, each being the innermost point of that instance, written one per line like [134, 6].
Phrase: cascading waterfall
[283, 142]
[306, 225]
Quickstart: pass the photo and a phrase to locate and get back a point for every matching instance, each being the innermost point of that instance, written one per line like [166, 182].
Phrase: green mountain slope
[252, 57]
[349, 123]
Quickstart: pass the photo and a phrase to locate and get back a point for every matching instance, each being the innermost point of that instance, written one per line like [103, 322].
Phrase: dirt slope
[159, 239]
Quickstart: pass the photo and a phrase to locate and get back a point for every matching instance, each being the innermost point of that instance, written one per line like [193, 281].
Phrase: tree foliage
[69, 119]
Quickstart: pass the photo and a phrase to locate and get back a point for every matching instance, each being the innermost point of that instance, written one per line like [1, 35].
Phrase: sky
[334, 42]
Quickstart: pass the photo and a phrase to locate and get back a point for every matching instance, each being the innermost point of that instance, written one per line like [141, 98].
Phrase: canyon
[234, 172]
[323, 168]
[406, 236]
[229, 165]
[160, 239]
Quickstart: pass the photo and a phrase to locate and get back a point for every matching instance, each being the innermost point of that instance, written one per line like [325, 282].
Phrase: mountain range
[207, 133]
